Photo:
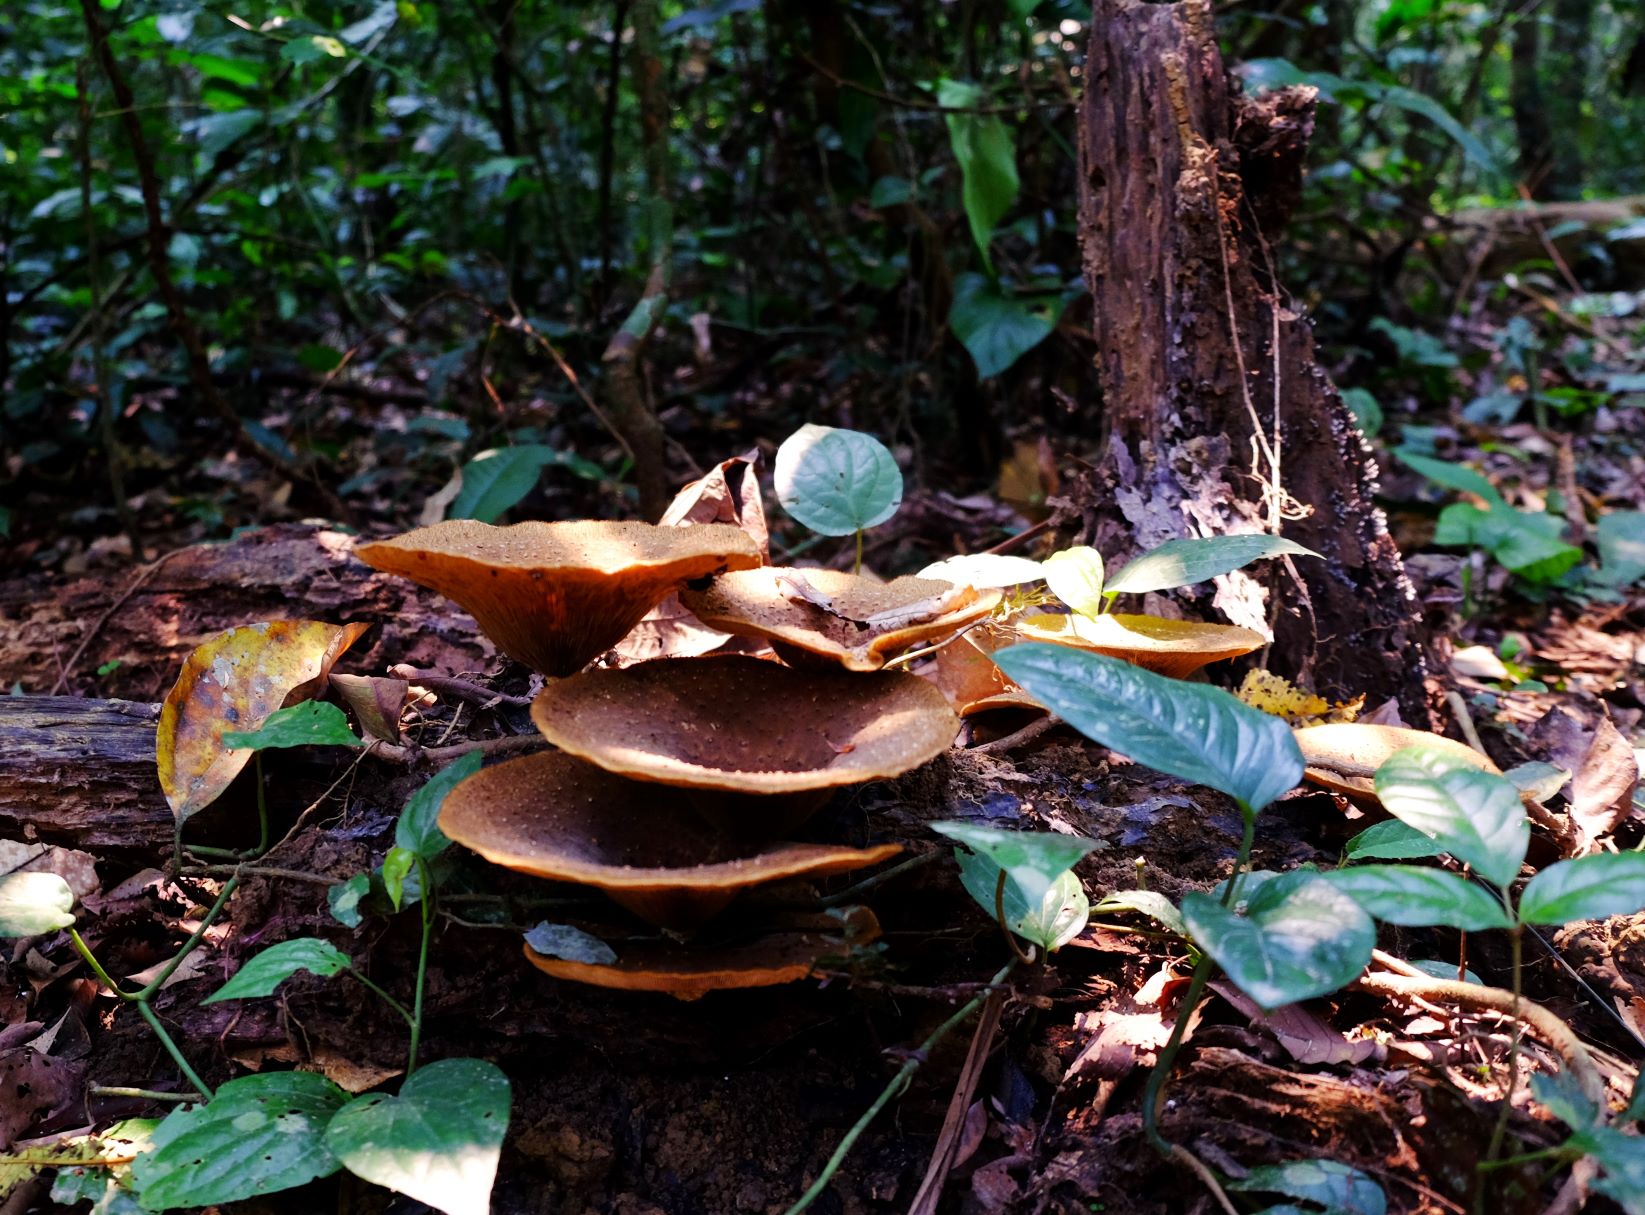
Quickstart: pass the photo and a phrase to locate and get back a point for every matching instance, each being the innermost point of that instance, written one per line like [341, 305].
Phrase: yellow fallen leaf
[233, 682]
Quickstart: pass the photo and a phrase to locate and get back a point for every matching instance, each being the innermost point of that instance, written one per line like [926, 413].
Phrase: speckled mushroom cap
[1344, 756]
[689, 973]
[761, 743]
[555, 595]
[1176, 648]
[557, 817]
[842, 618]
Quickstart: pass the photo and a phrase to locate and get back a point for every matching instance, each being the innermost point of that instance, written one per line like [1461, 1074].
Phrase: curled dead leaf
[233, 682]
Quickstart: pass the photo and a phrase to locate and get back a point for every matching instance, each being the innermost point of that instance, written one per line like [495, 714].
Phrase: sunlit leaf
[836, 481]
[258, 1135]
[1057, 917]
[987, 157]
[438, 1141]
[1299, 937]
[1185, 562]
[34, 903]
[1476, 816]
[1075, 576]
[1418, 897]
[1191, 731]
[1032, 860]
[985, 570]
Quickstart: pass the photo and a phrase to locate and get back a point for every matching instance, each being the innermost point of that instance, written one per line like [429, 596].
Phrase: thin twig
[1012, 741]
[461, 688]
[411, 754]
[97, 625]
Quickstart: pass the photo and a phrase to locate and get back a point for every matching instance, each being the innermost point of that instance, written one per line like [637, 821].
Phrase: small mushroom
[1176, 648]
[690, 972]
[1344, 756]
[556, 817]
[760, 745]
[838, 618]
[555, 595]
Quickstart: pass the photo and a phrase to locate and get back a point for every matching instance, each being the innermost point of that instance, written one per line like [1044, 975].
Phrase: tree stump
[1218, 417]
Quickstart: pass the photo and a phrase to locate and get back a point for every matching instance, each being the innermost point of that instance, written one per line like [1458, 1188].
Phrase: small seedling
[837, 482]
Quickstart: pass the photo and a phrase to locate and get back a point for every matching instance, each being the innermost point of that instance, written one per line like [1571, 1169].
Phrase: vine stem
[153, 1018]
[425, 911]
[897, 1083]
[384, 996]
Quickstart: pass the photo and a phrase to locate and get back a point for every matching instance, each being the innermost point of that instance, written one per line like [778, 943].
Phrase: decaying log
[1185, 184]
[81, 772]
[285, 572]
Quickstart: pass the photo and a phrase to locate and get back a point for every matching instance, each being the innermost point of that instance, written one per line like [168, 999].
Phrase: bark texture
[1203, 361]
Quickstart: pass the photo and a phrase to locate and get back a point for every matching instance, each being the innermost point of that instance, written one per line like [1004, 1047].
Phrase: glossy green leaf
[1192, 731]
[1032, 860]
[34, 903]
[1474, 815]
[996, 326]
[1299, 937]
[265, 971]
[396, 865]
[1588, 888]
[570, 942]
[1150, 903]
[309, 723]
[1056, 918]
[437, 1141]
[1075, 576]
[836, 481]
[1418, 897]
[985, 570]
[258, 1135]
[495, 480]
[987, 157]
[1338, 1189]
[1185, 562]
[418, 828]
[1391, 841]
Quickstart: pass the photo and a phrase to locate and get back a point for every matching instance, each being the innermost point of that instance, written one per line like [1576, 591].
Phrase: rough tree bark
[1212, 392]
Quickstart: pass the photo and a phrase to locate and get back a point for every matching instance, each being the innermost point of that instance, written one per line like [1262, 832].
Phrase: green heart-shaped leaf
[1588, 888]
[258, 1135]
[836, 481]
[1032, 860]
[267, 970]
[1185, 562]
[438, 1141]
[1474, 815]
[1059, 916]
[1417, 897]
[310, 723]
[1299, 937]
[1191, 731]
[418, 828]
[34, 903]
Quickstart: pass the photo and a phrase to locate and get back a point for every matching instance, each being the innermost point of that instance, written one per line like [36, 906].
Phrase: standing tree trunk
[1218, 417]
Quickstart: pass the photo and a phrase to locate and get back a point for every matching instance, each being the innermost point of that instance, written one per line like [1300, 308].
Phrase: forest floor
[640, 1104]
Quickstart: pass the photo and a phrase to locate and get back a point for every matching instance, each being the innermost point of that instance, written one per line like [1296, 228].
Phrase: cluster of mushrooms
[676, 781]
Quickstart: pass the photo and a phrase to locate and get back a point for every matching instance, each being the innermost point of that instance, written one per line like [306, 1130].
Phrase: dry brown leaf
[1603, 787]
[233, 682]
[376, 701]
[37, 1087]
[1305, 1037]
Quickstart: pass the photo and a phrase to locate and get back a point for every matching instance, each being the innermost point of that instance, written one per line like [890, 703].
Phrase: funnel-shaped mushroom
[760, 744]
[1176, 648]
[1344, 756]
[555, 595]
[837, 617]
[689, 973]
[557, 817]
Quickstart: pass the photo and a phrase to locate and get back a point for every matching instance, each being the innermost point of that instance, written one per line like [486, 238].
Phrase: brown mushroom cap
[731, 726]
[690, 972]
[555, 595]
[967, 675]
[557, 817]
[1176, 648]
[843, 618]
[1344, 756]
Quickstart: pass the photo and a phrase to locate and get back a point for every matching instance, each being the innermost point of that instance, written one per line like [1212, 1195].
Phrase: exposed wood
[1185, 184]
